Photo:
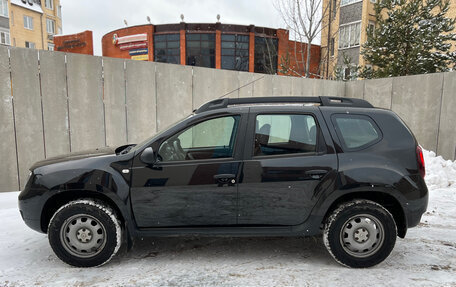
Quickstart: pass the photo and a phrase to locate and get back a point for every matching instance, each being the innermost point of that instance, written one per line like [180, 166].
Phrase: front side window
[200, 49]
[28, 22]
[235, 52]
[284, 134]
[167, 48]
[210, 139]
[265, 55]
[4, 8]
[5, 37]
[356, 131]
[50, 26]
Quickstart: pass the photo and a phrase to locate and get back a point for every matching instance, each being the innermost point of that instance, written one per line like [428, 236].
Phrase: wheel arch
[386, 200]
[59, 199]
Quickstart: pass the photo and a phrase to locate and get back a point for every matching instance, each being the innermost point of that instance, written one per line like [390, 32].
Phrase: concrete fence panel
[55, 103]
[282, 86]
[211, 84]
[114, 101]
[416, 99]
[85, 95]
[8, 176]
[354, 89]
[246, 84]
[263, 86]
[447, 131]
[174, 93]
[27, 109]
[329, 88]
[52, 103]
[141, 100]
[378, 92]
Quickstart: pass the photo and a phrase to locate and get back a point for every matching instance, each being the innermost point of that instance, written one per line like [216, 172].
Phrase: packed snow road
[426, 257]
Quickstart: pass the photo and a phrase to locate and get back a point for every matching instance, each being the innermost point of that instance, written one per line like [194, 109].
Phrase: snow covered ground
[426, 257]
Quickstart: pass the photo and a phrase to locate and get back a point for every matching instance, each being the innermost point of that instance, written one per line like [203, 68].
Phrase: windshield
[146, 141]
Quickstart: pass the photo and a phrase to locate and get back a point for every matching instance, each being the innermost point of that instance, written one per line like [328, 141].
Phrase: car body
[254, 184]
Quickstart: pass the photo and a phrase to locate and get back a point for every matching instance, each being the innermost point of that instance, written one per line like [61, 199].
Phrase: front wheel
[85, 233]
[360, 233]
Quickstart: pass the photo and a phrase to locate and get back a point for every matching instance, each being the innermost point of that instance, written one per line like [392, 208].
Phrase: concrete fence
[54, 103]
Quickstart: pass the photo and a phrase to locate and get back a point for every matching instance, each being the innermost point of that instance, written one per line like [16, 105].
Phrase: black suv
[274, 166]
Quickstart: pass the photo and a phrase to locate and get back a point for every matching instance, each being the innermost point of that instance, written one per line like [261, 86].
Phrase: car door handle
[222, 179]
[316, 173]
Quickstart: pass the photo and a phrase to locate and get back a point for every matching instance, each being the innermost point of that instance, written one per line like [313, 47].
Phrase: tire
[85, 233]
[349, 234]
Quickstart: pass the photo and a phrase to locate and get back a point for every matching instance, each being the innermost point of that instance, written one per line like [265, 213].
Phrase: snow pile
[440, 173]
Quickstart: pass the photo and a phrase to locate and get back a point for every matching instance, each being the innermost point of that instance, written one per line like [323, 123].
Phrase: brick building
[81, 43]
[213, 45]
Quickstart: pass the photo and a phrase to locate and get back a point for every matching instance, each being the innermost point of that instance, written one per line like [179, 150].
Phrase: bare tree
[305, 19]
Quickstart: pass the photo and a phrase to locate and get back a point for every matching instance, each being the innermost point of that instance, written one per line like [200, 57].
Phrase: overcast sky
[104, 16]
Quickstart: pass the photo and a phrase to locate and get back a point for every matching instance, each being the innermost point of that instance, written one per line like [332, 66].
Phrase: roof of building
[28, 4]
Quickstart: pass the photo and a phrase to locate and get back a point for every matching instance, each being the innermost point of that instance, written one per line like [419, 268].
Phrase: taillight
[420, 159]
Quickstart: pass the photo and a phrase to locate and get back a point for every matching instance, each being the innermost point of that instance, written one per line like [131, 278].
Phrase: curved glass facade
[235, 52]
[200, 49]
[265, 55]
[167, 48]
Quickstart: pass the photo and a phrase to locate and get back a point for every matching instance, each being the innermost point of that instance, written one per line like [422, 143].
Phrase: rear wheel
[85, 233]
[360, 233]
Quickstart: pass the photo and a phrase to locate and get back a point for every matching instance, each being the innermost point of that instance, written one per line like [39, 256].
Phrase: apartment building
[345, 30]
[30, 23]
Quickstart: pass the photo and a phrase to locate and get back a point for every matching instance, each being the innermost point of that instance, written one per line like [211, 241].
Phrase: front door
[286, 167]
[194, 181]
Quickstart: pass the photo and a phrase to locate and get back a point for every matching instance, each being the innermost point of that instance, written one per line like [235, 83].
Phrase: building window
[50, 26]
[331, 47]
[167, 48]
[59, 11]
[49, 4]
[59, 30]
[30, 45]
[334, 8]
[235, 52]
[371, 28]
[348, 2]
[4, 8]
[265, 55]
[5, 37]
[200, 50]
[50, 47]
[349, 35]
[28, 22]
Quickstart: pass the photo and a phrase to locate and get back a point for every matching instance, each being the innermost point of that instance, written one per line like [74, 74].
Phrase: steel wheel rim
[83, 235]
[362, 235]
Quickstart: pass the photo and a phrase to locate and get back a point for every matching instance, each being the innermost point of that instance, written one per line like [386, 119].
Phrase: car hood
[75, 156]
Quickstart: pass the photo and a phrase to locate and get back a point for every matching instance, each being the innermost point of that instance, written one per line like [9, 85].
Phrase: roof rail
[323, 101]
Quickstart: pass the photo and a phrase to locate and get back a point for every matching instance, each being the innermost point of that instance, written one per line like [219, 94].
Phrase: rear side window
[284, 134]
[356, 131]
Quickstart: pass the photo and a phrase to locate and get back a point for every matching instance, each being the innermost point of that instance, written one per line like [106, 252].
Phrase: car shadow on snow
[228, 248]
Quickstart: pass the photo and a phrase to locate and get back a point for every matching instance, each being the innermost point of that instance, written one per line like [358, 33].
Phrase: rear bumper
[414, 210]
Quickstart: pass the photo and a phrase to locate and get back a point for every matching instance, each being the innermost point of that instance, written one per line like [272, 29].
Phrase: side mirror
[147, 156]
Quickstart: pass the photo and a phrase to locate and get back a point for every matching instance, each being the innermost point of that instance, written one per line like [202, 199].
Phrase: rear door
[289, 161]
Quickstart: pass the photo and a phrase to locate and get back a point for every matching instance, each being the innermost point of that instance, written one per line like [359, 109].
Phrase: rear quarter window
[356, 131]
